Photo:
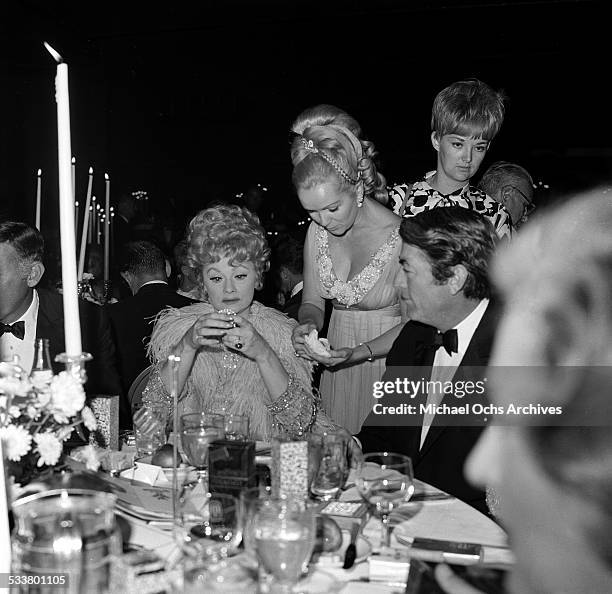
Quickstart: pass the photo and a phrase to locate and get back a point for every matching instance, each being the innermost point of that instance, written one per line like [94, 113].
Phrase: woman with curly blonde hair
[350, 257]
[236, 354]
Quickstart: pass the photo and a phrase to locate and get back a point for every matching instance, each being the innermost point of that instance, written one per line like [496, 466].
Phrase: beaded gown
[365, 307]
[224, 381]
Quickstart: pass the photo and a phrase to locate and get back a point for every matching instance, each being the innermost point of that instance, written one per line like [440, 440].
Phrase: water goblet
[198, 430]
[284, 532]
[385, 480]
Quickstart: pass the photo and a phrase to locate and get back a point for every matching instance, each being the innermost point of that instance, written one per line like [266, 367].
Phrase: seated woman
[236, 354]
[553, 472]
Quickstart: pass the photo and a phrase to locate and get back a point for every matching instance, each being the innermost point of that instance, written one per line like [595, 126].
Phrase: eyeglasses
[528, 205]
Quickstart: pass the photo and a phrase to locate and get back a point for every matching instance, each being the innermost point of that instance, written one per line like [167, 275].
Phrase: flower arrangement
[36, 419]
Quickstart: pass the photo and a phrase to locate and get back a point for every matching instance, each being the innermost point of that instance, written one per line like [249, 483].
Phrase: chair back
[134, 395]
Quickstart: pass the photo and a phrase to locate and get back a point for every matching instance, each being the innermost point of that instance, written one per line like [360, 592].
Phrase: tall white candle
[106, 229]
[86, 232]
[76, 218]
[5, 534]
[72, 326]
[89, 229]
[73, 173]
[38, 188]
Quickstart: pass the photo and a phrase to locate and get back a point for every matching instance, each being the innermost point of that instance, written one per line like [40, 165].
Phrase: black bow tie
[17, 329]
[448, 340]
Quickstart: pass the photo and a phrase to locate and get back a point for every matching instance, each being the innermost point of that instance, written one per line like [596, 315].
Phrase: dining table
[430, 513]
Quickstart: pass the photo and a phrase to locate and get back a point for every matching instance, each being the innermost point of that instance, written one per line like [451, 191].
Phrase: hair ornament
[309, 145]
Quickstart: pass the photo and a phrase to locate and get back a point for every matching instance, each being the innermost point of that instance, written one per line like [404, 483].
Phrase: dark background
[193, 101]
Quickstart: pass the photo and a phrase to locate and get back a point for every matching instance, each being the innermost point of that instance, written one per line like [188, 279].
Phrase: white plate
[336, 559]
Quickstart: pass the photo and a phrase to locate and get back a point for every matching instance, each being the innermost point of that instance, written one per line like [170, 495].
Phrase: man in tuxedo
[143, 266]
[288, 263]
[444, 286]
[28, 312]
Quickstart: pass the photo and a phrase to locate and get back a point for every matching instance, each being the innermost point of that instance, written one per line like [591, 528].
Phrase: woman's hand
[336, 356]
[208, 330]
[243, 338]
[298, 339]
[451, 583]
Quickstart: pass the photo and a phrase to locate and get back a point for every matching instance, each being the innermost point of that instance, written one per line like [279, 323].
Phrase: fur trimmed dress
[224, 381]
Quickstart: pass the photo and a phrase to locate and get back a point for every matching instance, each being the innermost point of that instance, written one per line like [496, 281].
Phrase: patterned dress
[409, 200]
[365, 307]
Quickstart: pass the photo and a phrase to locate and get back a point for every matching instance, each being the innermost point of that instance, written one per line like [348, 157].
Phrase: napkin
[147, 473]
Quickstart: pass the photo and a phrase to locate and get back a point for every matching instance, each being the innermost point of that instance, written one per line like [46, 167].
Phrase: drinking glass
[385, 480]
[330, 463]
[236, 427]
[71, 531]
[198, 430]
[284, 532]
[210, 524]
[150, 428]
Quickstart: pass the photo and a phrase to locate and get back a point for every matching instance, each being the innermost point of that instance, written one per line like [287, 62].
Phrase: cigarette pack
[290, 468]
[231, 466]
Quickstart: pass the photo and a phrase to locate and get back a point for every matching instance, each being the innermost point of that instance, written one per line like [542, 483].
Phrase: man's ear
[36, 271]
[435, 141]
[168, 269]
[457, 281]
[505, 193]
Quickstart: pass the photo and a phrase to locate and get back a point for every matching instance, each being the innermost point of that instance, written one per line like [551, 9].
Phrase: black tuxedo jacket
[132, 323]
[102, 374]
[441, 460]
[292, 305]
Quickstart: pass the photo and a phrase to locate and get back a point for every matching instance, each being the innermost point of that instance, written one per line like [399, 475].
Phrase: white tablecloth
[444, 519]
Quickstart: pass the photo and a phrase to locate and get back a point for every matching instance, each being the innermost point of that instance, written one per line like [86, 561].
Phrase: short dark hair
[289, 252]
[26, 240]
[142, 257]
[450, 236]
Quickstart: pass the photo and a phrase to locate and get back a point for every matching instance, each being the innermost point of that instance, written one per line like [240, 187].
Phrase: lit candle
[86, 230]
[89, 228]
[106, 232]
[72, 327]
[73, 160]
[76, 218]
[98, 214]
[38, 187]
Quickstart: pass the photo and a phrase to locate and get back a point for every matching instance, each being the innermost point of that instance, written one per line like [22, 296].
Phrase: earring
[360, 201]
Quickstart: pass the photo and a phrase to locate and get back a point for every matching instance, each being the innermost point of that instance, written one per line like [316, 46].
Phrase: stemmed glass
[284, 533]
[385, 480]
[198, 430]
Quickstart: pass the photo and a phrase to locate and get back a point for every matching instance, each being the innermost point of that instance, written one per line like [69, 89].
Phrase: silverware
[351, 551]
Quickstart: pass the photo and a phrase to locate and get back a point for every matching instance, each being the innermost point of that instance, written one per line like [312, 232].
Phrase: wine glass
[198, 430]
[385, 480]
[284, 532]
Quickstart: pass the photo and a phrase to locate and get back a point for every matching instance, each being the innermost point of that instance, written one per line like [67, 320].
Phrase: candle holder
[84, 288]
[75, 364]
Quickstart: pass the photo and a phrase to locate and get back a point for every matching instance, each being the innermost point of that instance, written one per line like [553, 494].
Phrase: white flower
[16, 442]
[14, 386]
[14, 411]
[49, 447]
[67, 397]
[89, 418]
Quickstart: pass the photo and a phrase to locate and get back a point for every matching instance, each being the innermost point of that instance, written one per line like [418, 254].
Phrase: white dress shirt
[10, 345]
[297, 289]
[445, 365]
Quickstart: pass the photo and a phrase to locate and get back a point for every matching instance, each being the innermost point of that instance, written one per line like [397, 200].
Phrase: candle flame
[106, 176]
[73, 160]
[56, 56]
[93, 198]
[39, 172]
[76, 203]
[91, 171]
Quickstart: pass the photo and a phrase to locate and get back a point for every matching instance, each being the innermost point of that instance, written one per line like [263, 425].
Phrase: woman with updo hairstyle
[236, 354]
[553, 349]
[350, 257]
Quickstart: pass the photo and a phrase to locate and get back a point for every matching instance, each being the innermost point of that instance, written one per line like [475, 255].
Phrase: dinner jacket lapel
[50, 324]
[476, 358]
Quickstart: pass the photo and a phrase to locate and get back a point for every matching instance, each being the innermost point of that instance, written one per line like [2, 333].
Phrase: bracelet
[367, 346]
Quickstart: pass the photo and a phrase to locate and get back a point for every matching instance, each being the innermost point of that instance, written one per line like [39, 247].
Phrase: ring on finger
[238, 344]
